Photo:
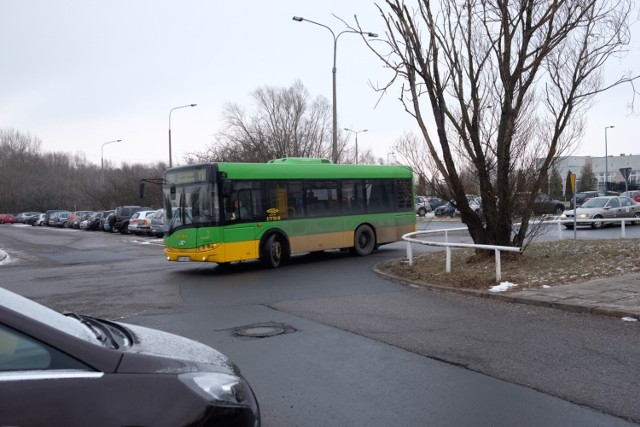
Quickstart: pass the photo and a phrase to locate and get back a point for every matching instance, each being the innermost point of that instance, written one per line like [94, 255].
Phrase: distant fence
[411, 238]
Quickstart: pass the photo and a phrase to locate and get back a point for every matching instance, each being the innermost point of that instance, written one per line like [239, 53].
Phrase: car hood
[580, 210]
[191, 354]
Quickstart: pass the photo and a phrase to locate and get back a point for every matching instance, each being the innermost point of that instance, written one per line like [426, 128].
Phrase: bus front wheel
[364, 240]
[273, 251]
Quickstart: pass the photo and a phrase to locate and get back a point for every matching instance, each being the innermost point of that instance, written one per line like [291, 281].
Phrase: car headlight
[219, 387]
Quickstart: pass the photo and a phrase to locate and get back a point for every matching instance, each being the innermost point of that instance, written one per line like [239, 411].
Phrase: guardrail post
[498, 266]
[409, 253]
[448, 265]
[559, 229]
[622, 230]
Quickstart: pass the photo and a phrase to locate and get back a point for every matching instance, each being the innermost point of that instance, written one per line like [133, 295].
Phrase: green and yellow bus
[226, 212]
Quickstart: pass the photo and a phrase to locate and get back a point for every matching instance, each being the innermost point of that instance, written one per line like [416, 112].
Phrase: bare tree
[500, 87]
[285, 122]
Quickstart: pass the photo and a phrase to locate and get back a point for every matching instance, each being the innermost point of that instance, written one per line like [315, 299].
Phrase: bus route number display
[187, 176]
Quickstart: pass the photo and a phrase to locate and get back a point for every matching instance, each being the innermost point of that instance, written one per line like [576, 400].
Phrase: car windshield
[45, 315]
[598, 202]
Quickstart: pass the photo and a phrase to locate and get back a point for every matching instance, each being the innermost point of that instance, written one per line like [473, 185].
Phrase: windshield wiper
[99, 332]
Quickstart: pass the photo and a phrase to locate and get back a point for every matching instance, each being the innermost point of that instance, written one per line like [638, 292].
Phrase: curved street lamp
[102, 156]
[356, 132]
[606, 160]
[334, 153]
[170, 111]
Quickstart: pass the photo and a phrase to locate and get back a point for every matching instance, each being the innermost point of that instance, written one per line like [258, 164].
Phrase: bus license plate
[184, 259]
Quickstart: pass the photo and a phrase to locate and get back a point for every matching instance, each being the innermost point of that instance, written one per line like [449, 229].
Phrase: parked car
[603, 208]
[7, 219]
[545, 204]
[136, 219]
[422, 206]
[475, 203]
[47, 215]
[633, 194]
[88, 224]
[22, 217]
[445, 210]
[157, 223]
[76, 217]
[107, 225]
[68, 369]
[59, 219]
[434, 202]
[96, 221]
[75, 220]
[144, 222]
[36, 220]
[122, 216]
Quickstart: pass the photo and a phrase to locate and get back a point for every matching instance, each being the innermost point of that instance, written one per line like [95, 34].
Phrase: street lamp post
[171, 111]
[606, 160]
[334, 153]
[392, 155]
[356, 132]
[102, 156]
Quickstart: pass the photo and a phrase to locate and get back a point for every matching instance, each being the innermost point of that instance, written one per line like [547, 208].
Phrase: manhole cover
[262, 331]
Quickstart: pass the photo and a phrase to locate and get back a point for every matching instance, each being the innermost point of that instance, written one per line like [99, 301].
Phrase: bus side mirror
[227, 187]
[141, 189]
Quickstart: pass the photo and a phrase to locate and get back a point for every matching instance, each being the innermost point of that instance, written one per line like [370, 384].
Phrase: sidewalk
[617, 296]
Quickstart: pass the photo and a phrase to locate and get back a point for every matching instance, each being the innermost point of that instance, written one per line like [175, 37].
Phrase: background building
[575, 164]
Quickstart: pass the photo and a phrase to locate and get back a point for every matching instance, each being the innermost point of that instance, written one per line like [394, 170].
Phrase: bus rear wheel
[364, 240]
[273, 251]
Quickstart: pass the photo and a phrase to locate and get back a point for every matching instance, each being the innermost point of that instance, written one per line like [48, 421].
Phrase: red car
[7, 219]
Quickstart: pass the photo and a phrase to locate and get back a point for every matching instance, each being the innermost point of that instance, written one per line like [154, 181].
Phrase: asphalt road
[355, 349]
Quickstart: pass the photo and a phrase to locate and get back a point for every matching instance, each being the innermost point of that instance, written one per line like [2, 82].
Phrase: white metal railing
[497, 249]
[410, 238]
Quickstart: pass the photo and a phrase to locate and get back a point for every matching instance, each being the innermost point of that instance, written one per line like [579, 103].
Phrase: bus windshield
[191, 205]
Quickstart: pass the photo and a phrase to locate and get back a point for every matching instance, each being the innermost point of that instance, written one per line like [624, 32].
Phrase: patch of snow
[629, 319]
[502, 287]
[5, 258]
[545, 286]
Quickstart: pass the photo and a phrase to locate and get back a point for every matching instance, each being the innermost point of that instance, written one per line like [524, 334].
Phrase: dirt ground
[548, 263]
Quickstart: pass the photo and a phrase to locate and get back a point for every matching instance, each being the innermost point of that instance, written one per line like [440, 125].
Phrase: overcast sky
[79, 73]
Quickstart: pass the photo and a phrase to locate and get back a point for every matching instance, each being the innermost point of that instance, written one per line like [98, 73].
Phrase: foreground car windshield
[47, 316]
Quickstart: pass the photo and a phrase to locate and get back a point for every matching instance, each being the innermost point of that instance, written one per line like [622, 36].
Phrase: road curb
[515, 299]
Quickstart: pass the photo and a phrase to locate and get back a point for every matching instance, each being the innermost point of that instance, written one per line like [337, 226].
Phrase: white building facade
[600, 168]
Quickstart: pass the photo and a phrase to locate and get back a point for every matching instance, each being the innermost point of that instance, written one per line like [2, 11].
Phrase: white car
[38, 221]
[140, 222]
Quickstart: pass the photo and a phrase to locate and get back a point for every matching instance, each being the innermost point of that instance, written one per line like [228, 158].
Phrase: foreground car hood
[163, 344]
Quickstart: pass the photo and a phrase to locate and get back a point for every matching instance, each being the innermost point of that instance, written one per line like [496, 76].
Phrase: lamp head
[298, 18]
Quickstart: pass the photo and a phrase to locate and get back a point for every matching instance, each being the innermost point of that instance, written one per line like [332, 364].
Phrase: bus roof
[311, 170]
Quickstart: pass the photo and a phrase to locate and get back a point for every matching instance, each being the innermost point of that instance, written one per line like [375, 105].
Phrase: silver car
[598, 209]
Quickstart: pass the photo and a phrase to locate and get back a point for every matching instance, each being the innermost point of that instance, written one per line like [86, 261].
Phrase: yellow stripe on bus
[241, 251]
